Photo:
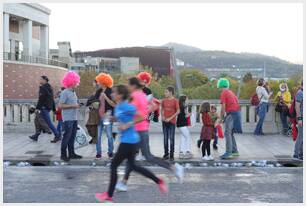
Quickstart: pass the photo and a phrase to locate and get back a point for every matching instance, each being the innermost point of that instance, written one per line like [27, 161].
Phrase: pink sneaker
[103, 197]
[163, 187]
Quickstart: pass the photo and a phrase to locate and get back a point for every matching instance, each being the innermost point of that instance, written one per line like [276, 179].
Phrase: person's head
[223, 83]
[71, 80]
[134, 84]
[120, 93]
[205, 107]
[213, 109]
[183, 100]
[260, 82]
[283, 87]
[43, 80]
[169, 92]
[104, 80]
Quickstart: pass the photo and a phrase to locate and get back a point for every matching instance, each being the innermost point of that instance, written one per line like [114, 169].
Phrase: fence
[17, 117]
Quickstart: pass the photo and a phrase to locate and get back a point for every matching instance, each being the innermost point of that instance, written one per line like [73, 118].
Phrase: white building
[25, 30]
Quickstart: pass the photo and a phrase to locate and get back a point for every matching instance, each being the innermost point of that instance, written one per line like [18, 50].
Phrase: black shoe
[75, 156]
[55, 140]
[165, 157]
[91, 141]
[171, 158]
[199, 143]
[34, 138]
[110, 155]
[215, 147]
[65, 158]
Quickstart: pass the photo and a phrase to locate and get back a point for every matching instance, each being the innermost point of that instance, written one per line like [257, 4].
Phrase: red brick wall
[21, 81]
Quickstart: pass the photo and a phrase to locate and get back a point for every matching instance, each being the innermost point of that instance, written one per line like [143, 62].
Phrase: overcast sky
[274, 29]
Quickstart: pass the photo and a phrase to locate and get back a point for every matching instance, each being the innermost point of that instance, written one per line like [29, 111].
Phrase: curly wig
[145, 77]
[70, 79]
[105, 79]
[223, 83]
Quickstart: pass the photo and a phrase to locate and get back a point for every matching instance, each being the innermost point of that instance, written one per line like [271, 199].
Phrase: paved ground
[202, 185]
[17, 146]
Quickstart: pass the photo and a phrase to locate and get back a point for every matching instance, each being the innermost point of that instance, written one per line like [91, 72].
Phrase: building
[26, 50]
[159, 59]
[63, 53]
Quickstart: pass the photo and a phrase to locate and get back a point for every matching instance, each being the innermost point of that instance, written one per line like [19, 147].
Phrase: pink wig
[70, 79]
[145, 77]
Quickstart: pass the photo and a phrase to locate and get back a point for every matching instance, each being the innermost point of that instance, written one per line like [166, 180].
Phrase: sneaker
[215, 147]
[188, 155]
[65, 158]
[165, 157]
[103, 197]
[181, 155]
[199, 143]
[235, 154]
[210, 158]
[179, 172]
[98, 156]
[121, 187]
[205, 158]
[34, 138]
[226, 155]
[55, 140]
[162, 186]
[75, 156]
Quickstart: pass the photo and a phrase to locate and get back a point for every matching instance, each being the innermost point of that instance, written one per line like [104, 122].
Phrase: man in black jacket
[45, 104]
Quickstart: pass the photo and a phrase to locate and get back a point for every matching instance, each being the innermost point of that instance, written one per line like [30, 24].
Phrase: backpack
[254, 100]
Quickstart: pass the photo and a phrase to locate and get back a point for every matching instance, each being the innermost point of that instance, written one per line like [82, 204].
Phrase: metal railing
[32, 59]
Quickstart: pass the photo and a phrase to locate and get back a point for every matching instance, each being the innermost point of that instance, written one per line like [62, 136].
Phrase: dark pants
[215, 138]
[284, 120]
[59, 127]
[70, 130]
[206, 147]
[127, 151]
[145, 150]
[45, 113]
[169, 133]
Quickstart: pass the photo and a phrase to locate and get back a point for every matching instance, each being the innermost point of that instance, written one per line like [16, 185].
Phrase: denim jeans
[283, 117]
[145, 150]
[261, 112]
[45, 113]
[298, 148]
[109, 134]
[230, 141]
[59, 128]
[70, 130]
[169, 133]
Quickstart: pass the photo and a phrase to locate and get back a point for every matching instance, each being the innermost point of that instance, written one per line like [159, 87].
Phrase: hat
[104, 79]
[223, 83]
[70, 79]
[145, 77]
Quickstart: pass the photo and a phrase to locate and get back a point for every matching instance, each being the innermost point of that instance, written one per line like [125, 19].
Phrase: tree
[85, 89]
[192, 78]
[247, 77]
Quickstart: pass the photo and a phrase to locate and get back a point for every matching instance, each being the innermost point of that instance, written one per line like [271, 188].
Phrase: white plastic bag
[81, 138]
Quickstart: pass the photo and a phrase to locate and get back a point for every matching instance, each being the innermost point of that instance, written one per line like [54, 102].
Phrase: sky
[274, 29]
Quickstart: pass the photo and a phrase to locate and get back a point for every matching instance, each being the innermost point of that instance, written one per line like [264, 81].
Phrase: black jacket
[46, 98]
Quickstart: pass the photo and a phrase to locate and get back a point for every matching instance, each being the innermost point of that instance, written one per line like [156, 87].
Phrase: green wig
[223, 83]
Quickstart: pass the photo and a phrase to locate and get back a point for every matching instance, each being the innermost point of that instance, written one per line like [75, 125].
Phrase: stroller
[40, 124]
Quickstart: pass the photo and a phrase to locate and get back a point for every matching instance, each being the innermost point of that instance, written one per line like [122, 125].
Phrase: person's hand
[77, 106]
[103, 95]
[37, 111]
[167, 120]
[123, 127]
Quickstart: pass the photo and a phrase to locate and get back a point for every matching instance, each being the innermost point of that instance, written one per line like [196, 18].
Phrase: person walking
[106, 109]
[69, 104]
[169, 110]
[125, 114]
[215, 118]
[182, 125]
[139, 100]
[283, 99]
[231, 116]
[298, 148]
[45, 104]
[261, 109]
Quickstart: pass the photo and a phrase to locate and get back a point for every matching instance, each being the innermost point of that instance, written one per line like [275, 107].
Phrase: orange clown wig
[105, 79]
[145, 77]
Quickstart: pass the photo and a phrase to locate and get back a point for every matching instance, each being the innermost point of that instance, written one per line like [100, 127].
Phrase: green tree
[86, 88]
[192, 78]
[247, 77]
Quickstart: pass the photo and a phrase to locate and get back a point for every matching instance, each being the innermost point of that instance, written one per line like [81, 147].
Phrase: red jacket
[58, 114]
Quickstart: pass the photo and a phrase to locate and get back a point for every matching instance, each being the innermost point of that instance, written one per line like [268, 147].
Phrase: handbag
[188, 121]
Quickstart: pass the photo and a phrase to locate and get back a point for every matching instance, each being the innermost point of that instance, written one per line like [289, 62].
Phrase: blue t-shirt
[299, 99]
[124, 113]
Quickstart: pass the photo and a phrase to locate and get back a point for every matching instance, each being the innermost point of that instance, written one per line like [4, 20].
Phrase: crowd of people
[128, 110]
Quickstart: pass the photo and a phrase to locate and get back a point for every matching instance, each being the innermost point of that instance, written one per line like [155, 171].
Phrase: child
[169, 109]
[208, 130]
[215, 118]
[125, 114]
[182, 125]
[40, 125]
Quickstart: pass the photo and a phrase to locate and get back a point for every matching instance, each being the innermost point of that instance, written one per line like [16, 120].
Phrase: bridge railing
[16, 115]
